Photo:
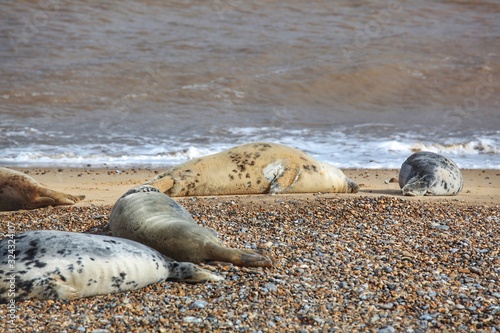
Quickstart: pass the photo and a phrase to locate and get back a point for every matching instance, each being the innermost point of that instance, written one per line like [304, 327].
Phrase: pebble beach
[369, 262]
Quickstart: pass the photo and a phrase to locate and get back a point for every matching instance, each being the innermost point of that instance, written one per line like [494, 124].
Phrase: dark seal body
[150, 217]
[20, 191]
[427, 173]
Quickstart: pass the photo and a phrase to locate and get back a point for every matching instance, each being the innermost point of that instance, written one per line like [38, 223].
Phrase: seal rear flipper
[39, 202]
[190, 273]
[240, 257]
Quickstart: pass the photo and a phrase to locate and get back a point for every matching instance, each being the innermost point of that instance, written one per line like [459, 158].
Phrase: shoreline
[105, 186]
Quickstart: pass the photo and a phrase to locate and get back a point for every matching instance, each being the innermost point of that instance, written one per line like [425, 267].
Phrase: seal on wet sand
[48, 264]
[428, 173]
[253, 168]
[150, 217]
[20, 191]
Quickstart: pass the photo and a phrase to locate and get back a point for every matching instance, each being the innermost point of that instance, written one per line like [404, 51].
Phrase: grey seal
[150, 217]
[253, 168]
[428, 173]
[20, 191]
[48, 264]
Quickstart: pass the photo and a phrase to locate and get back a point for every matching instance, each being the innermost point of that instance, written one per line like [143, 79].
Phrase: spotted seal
[428, 173]
[253, 168]
[48, 264]
[20, 191]
[150, 217]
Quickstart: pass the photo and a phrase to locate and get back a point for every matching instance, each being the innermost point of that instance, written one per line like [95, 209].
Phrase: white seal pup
[150, 217]
[427, 173]
[48, 264]
[20, 191]
[253, 168]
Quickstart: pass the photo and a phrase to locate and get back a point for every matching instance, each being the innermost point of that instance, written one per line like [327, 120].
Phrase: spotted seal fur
[48, 264]
[253, 168]
[150, 217]
[428, 173]
[20, 191]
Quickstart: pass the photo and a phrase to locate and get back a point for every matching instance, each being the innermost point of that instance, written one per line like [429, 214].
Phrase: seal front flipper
[64, 291]
[418, 186]
[190, 273]
[281, 175]
[57, 198]
[53, 287]
[163, 182]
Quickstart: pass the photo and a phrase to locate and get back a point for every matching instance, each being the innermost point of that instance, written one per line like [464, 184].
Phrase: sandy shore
[105, 186]
[372, 261]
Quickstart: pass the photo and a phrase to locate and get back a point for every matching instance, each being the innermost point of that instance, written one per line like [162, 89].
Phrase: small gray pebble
[271, 286]
[387, 329]
[200, 304]
[386, 306]
[426, 316]
[191, 319]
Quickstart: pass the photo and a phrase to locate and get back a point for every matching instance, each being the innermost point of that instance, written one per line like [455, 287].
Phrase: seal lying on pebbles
[19, 191]
[150, 217]
[253, 168]
[49, 264]
[427, 173]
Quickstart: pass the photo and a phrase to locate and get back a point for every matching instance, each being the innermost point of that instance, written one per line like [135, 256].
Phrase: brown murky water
[356, 82]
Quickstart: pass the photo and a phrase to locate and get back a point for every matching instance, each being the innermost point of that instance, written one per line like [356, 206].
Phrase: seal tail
[190, 273]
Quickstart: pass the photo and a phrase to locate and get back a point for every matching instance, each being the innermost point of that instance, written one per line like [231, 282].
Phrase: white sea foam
[336, 147]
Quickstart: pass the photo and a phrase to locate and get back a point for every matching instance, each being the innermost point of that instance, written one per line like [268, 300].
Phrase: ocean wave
[339, 148]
